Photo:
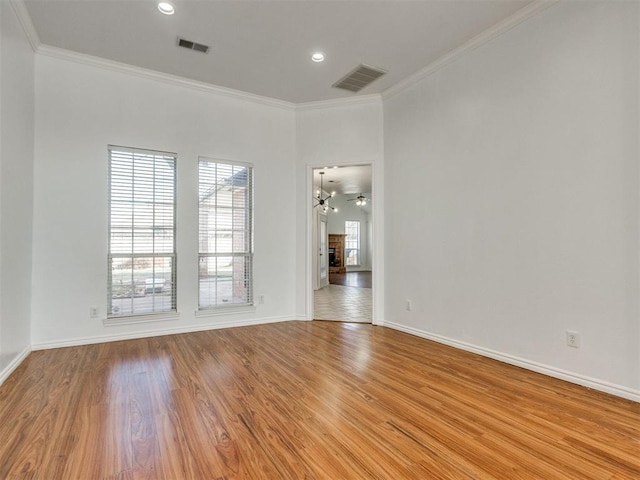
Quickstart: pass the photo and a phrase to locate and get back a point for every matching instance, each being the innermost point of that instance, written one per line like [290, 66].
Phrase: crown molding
[25, 21]
[486, 36]
[84, 59]
[374, 98]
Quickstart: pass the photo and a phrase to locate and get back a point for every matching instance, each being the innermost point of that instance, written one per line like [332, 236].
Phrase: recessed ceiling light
[166, 8]
[317, 57]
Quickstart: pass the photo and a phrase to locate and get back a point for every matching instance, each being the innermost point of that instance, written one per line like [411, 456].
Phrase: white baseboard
[74, 342]
[613, 389]
[8, 370]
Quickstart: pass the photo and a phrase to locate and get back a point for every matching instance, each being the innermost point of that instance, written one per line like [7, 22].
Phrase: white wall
[510, 193]
[16, 188]
[512, 196]
[80, 109]
[344, 133]
[348, 210]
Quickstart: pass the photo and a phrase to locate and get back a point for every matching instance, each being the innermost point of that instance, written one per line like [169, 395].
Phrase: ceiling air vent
[198, 47]
[359, 77]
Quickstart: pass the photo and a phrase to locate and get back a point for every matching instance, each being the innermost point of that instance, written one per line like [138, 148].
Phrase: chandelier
[323, 202]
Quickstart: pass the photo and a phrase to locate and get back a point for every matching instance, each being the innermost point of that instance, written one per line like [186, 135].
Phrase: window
[226, 234]
[142, 232]
[352, 242]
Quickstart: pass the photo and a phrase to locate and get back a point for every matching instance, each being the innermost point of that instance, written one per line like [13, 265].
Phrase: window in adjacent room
[226, 234]
[352, 242]
[142, 232]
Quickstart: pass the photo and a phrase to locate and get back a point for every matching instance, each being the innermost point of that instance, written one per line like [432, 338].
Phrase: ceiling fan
[360, 200]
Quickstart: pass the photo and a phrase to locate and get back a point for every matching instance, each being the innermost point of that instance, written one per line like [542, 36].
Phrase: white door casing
[323, 254]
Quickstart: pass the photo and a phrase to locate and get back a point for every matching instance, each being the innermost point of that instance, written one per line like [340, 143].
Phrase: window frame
[247, 254]
[134, 316]
[358, 249]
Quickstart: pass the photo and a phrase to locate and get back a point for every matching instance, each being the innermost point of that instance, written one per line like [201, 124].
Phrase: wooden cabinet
[336, 253]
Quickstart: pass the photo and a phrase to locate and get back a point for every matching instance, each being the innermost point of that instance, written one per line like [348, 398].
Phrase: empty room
[350, 239]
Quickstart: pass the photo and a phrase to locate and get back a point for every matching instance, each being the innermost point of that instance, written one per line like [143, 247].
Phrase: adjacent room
[342, 238]
[324, 240]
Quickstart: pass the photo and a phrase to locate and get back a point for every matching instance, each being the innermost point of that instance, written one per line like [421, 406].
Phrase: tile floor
[345, 304]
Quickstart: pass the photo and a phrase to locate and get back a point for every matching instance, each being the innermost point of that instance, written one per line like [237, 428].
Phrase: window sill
[230, 310]
[152, 317]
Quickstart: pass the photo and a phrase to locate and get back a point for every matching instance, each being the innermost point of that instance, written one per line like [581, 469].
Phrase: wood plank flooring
[304, 400]
[351, 279]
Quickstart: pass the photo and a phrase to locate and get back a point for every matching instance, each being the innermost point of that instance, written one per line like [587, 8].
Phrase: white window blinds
[225, 234]
[142, 232]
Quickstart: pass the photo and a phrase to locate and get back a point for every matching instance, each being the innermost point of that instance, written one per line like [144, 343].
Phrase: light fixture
[166, 8]
[360, 200]
[317, 57]
[323, 202]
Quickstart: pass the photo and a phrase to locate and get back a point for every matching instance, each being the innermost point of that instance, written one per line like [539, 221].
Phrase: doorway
[342, 243]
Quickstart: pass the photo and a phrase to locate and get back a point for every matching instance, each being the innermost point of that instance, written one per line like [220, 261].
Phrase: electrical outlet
[408, 305]
[261, 299]
[573, 339]
[93, 312]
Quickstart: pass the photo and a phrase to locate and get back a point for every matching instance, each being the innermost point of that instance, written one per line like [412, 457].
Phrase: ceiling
[344, 180]
[264, 47]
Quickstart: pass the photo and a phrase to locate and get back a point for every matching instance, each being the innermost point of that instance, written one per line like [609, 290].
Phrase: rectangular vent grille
[198, 47]
[359, 77]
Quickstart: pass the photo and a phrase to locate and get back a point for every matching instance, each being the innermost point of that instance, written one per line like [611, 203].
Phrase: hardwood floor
[304, 400]
[351, 279]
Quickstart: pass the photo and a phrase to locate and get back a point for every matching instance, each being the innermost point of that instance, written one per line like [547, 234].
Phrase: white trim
[340, 102]
[520, 16]
[73, 342]
[637, 306]
[81, 58]
[486, 36]
[32, 36]
[613, 389]
[377, 166]
[15, 363]
[378, 235]
[310, 256]
[25, 21]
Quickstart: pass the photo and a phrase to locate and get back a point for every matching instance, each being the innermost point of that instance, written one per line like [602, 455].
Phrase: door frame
[377, 263]
[322, 217]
